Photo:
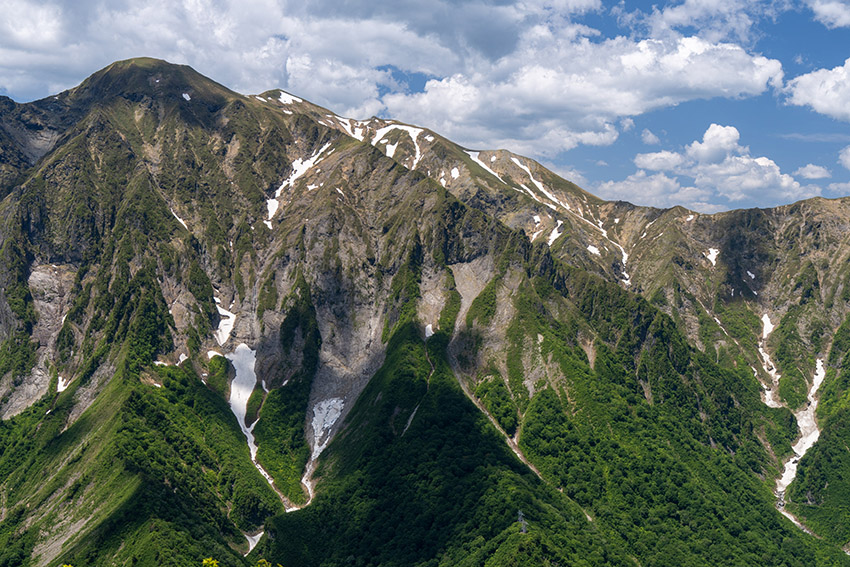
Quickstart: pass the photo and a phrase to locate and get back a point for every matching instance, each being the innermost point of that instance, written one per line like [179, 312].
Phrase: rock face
[381, 276]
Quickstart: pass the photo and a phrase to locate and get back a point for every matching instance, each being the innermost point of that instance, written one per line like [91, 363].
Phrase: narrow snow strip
[712, 255]
[410, 420]
[286, 98]
[771, 398]
[181, 221]
[299, 168]
[474, 156]
[540, 186]
[325, 414]
[225, 325]
[212, 353]
[809, 432]
[243, 359]
[155, 362]
[535, 235]
[593, 250]
[555, 233]
[752, 275]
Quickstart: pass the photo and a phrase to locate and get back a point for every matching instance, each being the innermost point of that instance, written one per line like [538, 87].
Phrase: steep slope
[416, 341]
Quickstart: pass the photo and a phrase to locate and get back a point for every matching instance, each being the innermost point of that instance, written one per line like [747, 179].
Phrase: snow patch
[536, 219]
[62, 384]
[429, 330]
[212, 353]
[752, 275]
[809, 432]
[183, 358]
[616, 221]
[268, 224]
[187, 97]
[155, 362]
[253, 540]
[770, 392]
[243, 360]
[181, 221]
[712, 255]
[455, 173]
[767, 326]
[593, 250]
[272, 205]
[690, 218]
[286, 98]
[412, 131]
[225, 325]
[555, 233]
[474, 156]
[325, 414]
[299, 168]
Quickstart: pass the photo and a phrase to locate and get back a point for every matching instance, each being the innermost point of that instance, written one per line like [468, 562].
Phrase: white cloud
[720, 173]
[716, 19]
[581, 86]
[659, 161]
[648, 138]
[844, 157]
[831, 13]
[839, 189]
[826, 91]
[717, 143]
[812, 171]
[657, 190]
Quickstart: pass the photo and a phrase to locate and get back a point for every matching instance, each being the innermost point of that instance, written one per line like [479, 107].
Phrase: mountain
[244, 327]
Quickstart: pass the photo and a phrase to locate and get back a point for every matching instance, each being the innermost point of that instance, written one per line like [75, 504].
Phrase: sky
[709, 104]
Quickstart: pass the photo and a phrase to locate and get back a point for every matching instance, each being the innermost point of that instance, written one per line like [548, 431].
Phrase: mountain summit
[245, 327]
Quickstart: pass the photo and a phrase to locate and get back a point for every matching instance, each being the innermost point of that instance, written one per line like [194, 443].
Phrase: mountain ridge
[382, 285]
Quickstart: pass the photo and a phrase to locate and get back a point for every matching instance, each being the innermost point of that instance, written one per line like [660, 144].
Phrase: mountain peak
[149, 77]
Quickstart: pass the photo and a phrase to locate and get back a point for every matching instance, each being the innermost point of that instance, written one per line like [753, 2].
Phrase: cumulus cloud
[844, 157]
[658, 190]
[720, 173]
[812, 171]
[826, 91]
[717, 143]
[831, 13]
[648, 138]
[659, 161]
[523, 75]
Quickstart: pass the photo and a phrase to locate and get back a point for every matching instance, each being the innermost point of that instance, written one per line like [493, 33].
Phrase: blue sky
[711, 104]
